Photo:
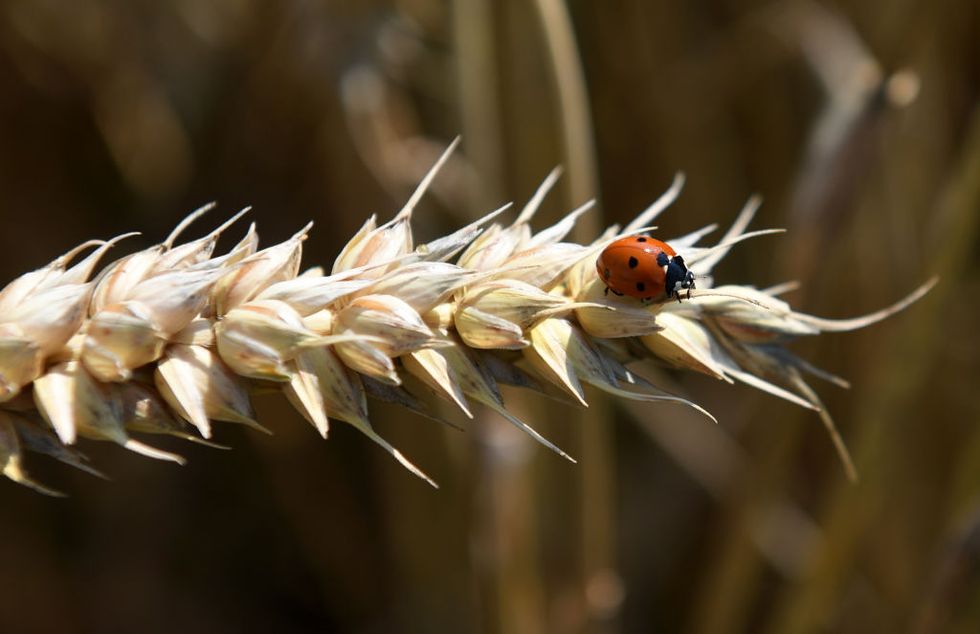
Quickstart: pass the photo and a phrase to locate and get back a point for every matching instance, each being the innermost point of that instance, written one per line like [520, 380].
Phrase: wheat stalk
[169, 339]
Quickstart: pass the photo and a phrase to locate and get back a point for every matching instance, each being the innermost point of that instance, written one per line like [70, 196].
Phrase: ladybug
[643, 267]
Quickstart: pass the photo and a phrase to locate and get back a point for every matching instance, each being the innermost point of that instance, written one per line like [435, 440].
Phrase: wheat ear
[173, 338]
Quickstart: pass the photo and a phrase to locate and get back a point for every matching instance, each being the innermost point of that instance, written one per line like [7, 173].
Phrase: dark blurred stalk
[842, 149]
[737, 567]
[504, 522]
[852, 511]
[527, 596]
[478, 80]
[600, 587]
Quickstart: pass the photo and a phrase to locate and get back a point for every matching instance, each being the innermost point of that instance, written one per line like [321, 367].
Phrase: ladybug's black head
[678, 278]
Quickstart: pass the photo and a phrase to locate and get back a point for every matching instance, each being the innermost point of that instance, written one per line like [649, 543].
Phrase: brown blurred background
[858, 121]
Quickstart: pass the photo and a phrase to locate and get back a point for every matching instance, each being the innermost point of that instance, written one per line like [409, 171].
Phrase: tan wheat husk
[172, 338]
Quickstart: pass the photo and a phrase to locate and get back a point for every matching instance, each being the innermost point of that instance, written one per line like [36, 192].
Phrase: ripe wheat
[169, 339]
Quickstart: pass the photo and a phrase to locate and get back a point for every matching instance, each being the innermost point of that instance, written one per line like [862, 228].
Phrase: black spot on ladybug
[641, 239]
[605, 274]
[634, 262]
[640, 286]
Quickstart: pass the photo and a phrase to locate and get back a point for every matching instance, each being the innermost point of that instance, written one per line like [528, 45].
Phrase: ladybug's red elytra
[643, 267]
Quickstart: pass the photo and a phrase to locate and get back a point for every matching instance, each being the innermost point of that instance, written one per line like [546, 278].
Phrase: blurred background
[857, 121]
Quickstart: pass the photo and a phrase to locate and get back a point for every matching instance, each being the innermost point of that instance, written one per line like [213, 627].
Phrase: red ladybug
[643, 267]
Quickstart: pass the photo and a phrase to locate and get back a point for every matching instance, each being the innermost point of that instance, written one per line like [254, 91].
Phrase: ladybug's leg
[606, 292]
[617, 293]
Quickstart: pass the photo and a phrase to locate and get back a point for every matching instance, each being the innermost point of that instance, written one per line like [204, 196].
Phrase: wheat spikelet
[173, 338]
